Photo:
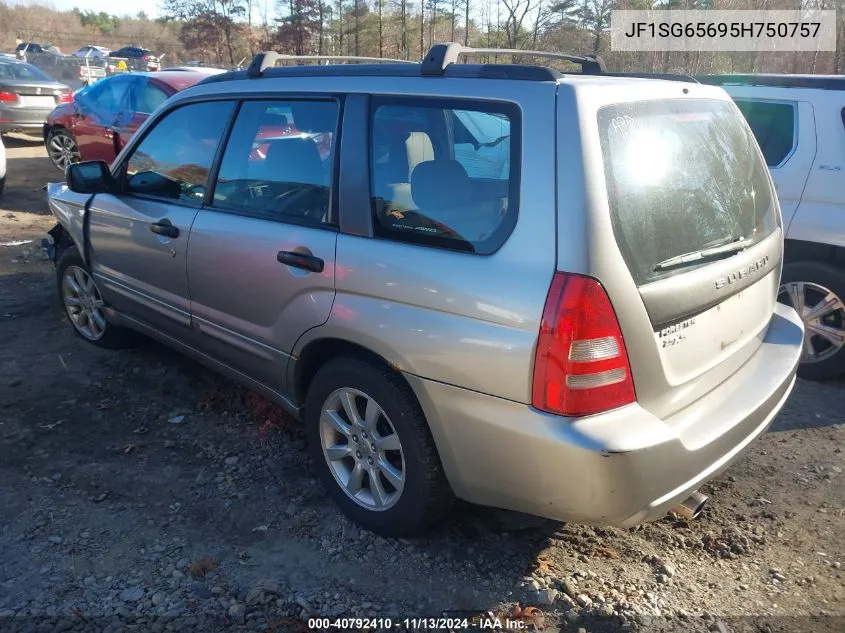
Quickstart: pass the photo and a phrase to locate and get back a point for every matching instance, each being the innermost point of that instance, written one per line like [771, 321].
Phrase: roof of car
[177, 81]
[201, 70]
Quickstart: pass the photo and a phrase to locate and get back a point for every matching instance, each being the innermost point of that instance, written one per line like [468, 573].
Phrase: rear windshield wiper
[732, 245]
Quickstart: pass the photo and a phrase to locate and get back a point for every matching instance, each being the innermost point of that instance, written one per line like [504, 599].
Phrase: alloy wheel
[83, 303]
[823, 314]
[362, 449]
[63, 150]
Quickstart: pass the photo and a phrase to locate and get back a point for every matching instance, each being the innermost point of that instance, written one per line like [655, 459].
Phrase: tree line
[223, 32]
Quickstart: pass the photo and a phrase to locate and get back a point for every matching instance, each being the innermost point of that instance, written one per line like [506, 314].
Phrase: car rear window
[19, 70]
[682, 176]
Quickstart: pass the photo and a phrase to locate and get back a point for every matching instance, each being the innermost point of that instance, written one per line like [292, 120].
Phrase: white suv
[799, 122]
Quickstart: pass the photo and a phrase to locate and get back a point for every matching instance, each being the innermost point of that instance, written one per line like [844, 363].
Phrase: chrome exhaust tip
[692, 506]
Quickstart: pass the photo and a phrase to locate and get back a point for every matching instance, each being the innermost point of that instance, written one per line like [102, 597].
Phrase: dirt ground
[139, 491]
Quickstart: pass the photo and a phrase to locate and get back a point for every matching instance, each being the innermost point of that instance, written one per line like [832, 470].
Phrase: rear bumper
[23, 119]
[619, 468]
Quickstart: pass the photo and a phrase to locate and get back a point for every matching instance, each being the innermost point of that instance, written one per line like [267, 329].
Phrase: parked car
[2, 166]
[90, 70]
[136, 56]
[91, 51]
[100, 119]
[29, 48]
[49, 59]
[454, 301]
[204, 70]
[27, 96]
[799, 122]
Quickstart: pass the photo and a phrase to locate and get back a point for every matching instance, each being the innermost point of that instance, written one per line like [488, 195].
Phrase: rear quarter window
[773, 125]
[682, 176]
[445, 173]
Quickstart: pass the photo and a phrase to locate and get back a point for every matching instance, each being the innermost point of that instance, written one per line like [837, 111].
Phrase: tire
[95, 330]
[424, 496]
[813, 284]
[62, 148]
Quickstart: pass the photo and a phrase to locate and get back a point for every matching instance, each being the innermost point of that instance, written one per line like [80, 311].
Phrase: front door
[97, 107]
[261, 257]
[139, 237]
[142, 99]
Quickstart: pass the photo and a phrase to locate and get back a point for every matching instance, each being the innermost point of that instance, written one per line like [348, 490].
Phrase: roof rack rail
[441, 55]
[267, 59]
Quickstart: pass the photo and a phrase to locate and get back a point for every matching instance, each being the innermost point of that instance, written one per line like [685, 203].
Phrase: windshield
[18, 70]
[682, 176]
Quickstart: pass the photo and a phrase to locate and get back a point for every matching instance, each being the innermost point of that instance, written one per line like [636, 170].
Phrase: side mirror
[89, 177]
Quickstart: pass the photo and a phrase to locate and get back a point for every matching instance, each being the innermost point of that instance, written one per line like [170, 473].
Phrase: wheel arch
[319, 351]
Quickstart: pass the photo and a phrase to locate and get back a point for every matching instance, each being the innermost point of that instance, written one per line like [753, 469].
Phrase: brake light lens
[581, 366]
[8, 97]
[65, 97]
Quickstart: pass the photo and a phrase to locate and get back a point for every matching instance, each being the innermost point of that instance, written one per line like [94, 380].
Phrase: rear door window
[682, 176]
[773, 124]
[279, 161]
[145, 96]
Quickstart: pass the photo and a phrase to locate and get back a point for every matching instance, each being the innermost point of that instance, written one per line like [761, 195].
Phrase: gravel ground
[142, 492]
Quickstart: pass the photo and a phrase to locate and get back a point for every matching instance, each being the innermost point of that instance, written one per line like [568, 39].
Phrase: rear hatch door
[698, 245]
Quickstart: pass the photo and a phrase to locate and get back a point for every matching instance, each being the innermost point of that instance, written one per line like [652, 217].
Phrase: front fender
[70, 209]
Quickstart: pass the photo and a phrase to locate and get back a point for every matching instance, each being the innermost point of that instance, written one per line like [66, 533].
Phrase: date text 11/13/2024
[487, 623]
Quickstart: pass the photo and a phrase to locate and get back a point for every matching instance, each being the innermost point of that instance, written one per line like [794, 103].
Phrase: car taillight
[581, 366]
[64, 98]
[8, 97]
[148, 57]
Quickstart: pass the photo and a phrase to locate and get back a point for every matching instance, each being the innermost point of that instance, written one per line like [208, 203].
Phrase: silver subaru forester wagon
[551, 293]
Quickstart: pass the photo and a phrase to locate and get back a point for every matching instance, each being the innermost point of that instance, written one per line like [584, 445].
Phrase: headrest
[315, 117]
[419, 149]
[294, 160]
[440, 184]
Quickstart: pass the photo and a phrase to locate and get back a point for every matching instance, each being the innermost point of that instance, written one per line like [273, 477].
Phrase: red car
[103, 116]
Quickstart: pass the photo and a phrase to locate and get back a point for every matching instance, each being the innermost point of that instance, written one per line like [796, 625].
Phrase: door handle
[165, 228]
[300, 260]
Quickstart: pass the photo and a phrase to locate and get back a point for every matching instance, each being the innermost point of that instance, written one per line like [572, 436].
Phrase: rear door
[695, 220]
[261, 261]
[139, 237]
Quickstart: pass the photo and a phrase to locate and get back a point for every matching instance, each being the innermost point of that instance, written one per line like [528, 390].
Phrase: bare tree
[516, 10]
[432, 25]
[596, 18]
[357, 16]
[380, 4]
[321, 8]
[422, 29]
[215, 18]
[340, 27]
[466, 22]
